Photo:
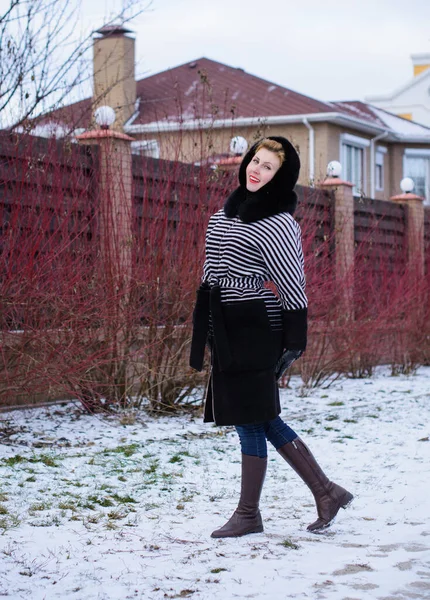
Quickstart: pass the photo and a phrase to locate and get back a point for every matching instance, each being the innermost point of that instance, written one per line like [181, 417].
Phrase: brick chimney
[421, 62]
[114, 80]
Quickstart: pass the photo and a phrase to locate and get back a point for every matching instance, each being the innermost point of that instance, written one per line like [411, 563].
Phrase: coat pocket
[252, 342]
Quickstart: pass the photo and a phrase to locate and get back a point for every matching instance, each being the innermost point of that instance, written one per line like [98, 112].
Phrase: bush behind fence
[92, 312]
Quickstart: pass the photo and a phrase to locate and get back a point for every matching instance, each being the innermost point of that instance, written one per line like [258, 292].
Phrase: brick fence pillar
[116, 198]
[415, 231]
[343, 240]
[116, 234]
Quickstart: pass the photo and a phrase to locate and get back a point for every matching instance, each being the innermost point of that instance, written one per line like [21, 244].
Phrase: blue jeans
[253, 436]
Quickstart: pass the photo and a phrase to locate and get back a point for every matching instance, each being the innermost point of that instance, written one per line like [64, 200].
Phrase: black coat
[245, 390]
[244, 349]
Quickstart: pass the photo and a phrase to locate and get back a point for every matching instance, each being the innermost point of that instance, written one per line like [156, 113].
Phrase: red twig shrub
[96, 292]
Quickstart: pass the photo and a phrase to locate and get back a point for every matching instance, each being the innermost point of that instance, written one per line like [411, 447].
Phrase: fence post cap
[99, 134]
[406, 197]
[335, 182]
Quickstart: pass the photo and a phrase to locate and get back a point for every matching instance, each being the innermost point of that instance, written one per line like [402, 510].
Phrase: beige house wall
[195, 146]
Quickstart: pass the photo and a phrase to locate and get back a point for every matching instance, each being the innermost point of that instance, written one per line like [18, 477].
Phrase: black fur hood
[275, 197]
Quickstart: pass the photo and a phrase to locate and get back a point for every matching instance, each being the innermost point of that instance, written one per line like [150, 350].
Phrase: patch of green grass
[289, 544]
[3, 498]
[122, 478]
[9, 522]
[3, 510]
[218, 570]
[116, 515]
[67, 506]
[74, 483]
[176, 458]
[332, 418]
[94, 519]
[188, 498]
[336, 403]
[123, 499]
[46, 459]
[14, 460]
[31, 479]
[152, 467]
[127, 450]
[105, 502]
[350, 421]
[39, 506]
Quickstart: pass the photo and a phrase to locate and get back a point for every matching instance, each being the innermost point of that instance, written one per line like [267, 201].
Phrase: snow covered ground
[107, 508]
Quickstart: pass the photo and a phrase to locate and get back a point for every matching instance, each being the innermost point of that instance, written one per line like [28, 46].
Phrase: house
[192, 112]
[411, 100]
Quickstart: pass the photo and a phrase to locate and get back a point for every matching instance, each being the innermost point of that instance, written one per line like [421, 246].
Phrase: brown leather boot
[329, 496]
[246, 518]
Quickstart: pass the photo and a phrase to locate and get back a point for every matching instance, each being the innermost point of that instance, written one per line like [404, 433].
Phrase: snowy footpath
[118, 507]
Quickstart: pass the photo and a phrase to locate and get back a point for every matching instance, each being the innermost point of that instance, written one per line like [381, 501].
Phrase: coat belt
[208, 304]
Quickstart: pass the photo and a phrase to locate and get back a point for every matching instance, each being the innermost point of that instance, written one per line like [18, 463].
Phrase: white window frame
[347, 139]
[419, 153]
[380, 153]
[149, 148]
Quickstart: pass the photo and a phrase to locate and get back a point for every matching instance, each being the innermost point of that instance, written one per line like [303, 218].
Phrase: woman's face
[261, 169]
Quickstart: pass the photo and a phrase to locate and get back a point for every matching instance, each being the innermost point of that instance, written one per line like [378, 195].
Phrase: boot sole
[256, 530]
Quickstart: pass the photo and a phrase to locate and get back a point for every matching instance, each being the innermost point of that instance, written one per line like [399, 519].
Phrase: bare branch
[41, 61]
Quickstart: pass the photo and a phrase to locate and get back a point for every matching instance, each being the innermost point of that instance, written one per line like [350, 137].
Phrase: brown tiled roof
[208, 89]
[205, 89]
[358, 110]
[76, 115]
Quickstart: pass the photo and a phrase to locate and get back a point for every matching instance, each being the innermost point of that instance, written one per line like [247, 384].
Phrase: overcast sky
[331, 49]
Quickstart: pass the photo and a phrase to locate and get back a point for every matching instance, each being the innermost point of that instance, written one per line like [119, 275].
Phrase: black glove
[295, 327]
[286, 360]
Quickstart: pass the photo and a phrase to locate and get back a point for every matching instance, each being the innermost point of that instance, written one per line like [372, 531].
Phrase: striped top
[241, 257]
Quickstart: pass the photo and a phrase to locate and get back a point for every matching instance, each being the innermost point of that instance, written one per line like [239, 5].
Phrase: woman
[252, 332]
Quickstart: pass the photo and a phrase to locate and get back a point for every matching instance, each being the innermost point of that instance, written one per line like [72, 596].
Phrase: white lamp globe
[104, 116]
[334, 169]
[238, 145]
[407, 185]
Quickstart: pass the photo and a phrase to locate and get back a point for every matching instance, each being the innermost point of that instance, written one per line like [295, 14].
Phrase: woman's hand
[286, 360]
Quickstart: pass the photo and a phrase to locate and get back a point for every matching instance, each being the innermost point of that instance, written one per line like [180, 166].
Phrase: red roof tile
[208, 89]
[205, 88]
[359, 110]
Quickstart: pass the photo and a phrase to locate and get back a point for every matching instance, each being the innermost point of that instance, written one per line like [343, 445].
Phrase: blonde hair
[274, 147]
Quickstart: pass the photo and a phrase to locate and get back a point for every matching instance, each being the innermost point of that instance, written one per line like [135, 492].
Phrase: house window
[379, 167]
[416, 165]
[353, 152]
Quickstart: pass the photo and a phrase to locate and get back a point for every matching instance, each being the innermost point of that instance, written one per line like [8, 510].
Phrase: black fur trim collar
[252, 207]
